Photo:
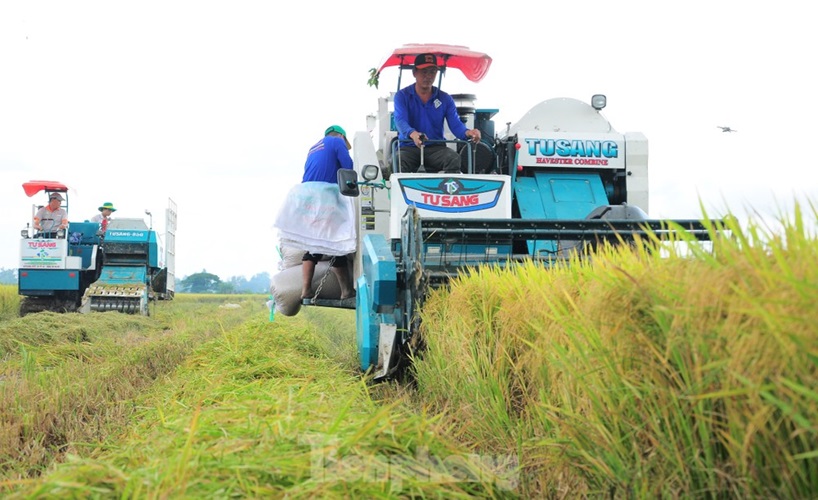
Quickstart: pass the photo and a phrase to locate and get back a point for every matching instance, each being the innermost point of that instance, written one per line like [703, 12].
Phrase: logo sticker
[449, 194]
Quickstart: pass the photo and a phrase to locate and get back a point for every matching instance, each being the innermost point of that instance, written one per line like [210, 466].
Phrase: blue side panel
[376, 297]
[558, 196]
[39, 281]
[528, 198]
[82, 239]
[366, 326]
[153, 250]
[84, 252]
[380, 271]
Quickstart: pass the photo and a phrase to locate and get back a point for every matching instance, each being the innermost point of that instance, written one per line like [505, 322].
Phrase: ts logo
[451, 186]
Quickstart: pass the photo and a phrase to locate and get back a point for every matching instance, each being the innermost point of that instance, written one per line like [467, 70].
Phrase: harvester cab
[56, 262]
[549, 187]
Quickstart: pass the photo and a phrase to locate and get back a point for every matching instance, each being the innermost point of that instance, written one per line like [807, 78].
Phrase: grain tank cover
[563, 115]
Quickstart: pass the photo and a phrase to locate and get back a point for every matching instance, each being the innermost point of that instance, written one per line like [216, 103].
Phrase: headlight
[61, 234]
[370, 172]
[598, 101]
[24, 233]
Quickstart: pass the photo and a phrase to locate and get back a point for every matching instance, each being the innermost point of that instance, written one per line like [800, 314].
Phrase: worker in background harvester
[104, 216]
[51, 218]
[419, 111]
[306, 222]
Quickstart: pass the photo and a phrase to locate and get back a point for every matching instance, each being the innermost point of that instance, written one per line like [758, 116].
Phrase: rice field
[635, 376]
[9, 302]
[628, 375]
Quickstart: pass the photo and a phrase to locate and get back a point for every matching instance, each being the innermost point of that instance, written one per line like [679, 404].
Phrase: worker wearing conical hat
[104, 215]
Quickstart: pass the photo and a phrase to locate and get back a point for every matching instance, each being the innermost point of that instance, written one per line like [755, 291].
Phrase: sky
[214, 104]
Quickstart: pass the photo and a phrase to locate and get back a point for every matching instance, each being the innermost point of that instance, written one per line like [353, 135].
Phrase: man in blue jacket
[419, 113]
[324, 159]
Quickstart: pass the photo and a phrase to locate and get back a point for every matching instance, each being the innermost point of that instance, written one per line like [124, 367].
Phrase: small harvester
[552, 185]
[83, 269]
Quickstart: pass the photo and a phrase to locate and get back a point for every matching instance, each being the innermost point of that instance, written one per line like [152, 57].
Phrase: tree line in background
[8, 276]
[203, 282]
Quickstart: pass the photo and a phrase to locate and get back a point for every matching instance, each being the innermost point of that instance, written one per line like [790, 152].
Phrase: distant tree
[239, 283]
[205, 282]
[8, 276]
[202, 282]
[259, 283]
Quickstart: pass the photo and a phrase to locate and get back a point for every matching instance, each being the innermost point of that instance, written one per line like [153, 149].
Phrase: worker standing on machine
[315, 210]
[104, 216]
[419, 113]
[51, 218]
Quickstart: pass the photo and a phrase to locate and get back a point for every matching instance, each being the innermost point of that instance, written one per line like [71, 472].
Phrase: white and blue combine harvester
[558, 180]
[83, 269]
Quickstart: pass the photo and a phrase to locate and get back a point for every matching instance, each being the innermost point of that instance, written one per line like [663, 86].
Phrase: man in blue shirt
[324, 160]
[328, 156]
[419, 113]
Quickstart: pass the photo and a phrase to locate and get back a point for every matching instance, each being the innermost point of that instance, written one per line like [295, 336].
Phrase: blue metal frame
[376, 296]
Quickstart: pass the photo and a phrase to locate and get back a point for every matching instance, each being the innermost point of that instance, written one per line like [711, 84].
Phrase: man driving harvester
[420, 110]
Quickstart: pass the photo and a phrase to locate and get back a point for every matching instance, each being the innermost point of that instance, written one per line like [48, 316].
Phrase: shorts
[340, 260]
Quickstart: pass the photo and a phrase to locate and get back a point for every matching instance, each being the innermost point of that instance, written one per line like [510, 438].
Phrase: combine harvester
[555, 183]
[83, 269]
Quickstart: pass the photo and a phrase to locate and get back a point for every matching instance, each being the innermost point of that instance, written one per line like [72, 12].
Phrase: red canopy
[474, 65]
[33, 187]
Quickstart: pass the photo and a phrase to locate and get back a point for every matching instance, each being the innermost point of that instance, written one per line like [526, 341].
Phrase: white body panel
[449, 196]
[636, 158]
[373, 203]
[39, 253]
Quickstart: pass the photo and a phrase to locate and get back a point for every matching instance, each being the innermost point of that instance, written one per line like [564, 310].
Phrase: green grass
[257, 409]
[67, 380]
